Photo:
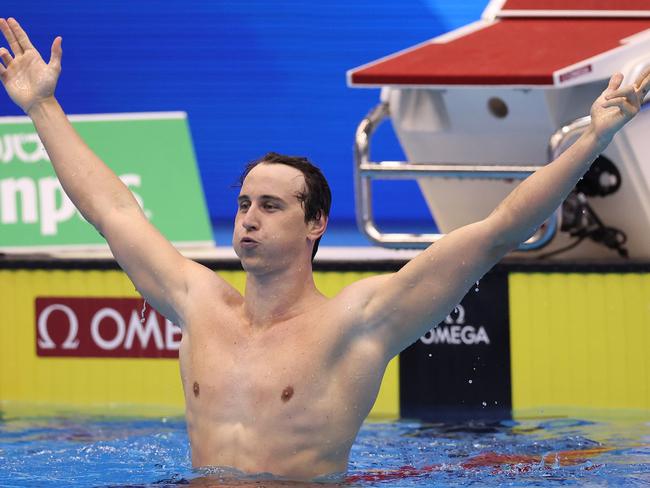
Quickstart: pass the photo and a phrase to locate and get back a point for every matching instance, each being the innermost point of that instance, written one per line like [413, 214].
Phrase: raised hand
[26, 77]
[616, 106]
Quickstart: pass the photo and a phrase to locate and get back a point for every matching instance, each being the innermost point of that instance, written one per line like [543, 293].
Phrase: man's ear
[316, 227]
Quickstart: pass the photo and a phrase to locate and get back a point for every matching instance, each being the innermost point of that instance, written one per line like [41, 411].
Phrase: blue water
[76, 451]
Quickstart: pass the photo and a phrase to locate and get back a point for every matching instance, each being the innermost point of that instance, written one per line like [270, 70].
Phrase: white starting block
[481, 107]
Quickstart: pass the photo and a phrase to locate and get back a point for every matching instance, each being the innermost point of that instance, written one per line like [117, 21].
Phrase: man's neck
[278, 296]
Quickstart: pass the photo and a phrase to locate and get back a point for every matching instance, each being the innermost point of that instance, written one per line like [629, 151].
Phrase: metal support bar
[558, 140]
[366, 171]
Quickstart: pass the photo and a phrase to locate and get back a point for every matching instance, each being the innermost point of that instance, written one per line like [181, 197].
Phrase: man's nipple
[287, 393]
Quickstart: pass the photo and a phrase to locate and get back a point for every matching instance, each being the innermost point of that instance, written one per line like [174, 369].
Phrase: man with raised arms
[279, 380]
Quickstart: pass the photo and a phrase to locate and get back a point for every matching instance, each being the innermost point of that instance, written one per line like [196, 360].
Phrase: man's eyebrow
[272, 197]
[263, 197]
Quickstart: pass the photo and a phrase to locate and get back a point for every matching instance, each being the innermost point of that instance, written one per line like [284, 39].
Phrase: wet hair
[316, 199]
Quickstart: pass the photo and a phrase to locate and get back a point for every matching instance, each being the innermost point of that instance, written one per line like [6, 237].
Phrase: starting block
[479, 108]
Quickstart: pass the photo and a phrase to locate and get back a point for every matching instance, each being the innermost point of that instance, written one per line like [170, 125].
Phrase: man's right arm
[156, 268]
[93, 187]
[160, 273]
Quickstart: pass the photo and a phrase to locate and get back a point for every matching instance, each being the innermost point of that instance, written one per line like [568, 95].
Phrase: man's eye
[243, 206]
[270, 206]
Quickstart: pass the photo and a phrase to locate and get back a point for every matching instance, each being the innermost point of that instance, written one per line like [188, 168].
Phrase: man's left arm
[397, 309]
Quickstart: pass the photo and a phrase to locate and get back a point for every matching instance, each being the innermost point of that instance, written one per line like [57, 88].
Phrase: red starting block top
[508, 51]
[610, 8]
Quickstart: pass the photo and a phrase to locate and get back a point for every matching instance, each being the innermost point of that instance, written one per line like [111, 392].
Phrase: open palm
[26, 77]
[616, 106]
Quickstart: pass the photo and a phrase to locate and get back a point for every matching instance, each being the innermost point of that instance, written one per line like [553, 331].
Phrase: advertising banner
[76, 333]
[460, 368]
[151, 153]
[103, 327]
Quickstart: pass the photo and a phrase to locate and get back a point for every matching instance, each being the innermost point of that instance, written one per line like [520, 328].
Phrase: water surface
[74, 451]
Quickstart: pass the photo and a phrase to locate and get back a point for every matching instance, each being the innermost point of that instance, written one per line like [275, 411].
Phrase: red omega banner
[103, 327]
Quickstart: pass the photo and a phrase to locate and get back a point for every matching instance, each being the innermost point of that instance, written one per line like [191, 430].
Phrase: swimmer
[280, 380]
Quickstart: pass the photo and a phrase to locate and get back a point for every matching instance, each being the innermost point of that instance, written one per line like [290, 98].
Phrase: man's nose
[250, 220]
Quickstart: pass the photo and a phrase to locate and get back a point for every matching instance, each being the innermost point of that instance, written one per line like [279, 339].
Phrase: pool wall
[29, 374]
[533, 340]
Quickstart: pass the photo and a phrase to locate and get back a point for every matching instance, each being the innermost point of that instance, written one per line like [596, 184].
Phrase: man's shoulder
[358, 292]
[349, 306]
[204, 282]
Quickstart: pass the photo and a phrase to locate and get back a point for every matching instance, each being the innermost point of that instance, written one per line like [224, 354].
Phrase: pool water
[72, 450]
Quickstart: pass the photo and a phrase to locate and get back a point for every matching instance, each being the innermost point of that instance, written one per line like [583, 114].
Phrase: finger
[615, 81]
[614, 102]
[623, 104]
[622, 92]
[11, 38]
[3, 70]
[21, 35]
[629, 109]
[644, 78]
[5, 56]
[644, 86]
[56, 53]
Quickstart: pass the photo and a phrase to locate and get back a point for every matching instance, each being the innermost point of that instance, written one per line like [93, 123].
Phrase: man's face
[270, 230]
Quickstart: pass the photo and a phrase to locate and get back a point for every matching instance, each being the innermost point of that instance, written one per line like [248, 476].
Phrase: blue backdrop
[253, 76]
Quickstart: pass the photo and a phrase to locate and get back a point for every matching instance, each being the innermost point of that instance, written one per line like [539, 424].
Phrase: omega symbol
[45, 341]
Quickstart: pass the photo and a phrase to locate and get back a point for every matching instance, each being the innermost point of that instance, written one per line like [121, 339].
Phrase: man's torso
[287, 399]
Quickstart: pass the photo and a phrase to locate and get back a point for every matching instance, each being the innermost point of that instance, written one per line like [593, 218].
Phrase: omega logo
[455, 332]
[45, 341]
[93, 329]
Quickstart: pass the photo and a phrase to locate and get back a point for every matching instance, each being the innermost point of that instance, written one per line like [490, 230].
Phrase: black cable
[580, 221]
[563, 249]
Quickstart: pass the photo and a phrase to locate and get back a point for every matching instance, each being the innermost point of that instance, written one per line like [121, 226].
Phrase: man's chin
[252, 263]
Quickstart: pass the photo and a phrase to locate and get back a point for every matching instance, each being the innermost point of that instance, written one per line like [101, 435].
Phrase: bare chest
[255, 397]
[239, 377]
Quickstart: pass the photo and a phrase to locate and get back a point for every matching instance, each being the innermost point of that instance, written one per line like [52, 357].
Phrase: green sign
[151, 153]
